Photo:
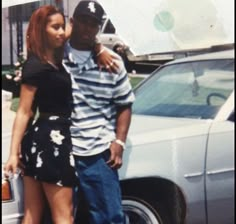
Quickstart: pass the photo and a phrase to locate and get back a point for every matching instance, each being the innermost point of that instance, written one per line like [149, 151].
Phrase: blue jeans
[100, 187]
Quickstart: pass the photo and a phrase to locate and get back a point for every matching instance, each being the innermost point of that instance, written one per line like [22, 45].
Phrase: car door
[220, 173]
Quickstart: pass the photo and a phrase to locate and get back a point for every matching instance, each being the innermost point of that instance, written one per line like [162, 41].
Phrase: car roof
[226, 54]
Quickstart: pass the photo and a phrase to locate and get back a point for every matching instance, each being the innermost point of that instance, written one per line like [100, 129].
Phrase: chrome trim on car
[220, 171]
[12, 217]
[209, 173]
[193, 175]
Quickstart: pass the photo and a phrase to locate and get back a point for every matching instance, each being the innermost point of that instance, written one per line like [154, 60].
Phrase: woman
[45, 146]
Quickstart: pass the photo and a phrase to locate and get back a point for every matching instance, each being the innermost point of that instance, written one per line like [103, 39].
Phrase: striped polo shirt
[96, 95]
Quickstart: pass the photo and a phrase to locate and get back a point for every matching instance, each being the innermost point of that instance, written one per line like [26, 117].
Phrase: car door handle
[190, 175]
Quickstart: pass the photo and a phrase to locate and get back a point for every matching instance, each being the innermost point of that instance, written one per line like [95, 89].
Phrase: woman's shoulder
[33, 60]
[33, 65]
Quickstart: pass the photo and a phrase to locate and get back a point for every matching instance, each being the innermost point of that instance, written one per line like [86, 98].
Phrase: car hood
[149, 129]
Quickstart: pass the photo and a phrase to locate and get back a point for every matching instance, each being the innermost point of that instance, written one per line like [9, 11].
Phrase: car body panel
[167, 154]
[227, 54]
[196, 154]
[220, 173]
[12, 211]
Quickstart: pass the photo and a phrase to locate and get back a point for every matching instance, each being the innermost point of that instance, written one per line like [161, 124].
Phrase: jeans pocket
[106, 155]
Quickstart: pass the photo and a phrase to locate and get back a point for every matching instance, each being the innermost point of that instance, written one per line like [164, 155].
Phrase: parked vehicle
[108, 35]
[179, 158]
[12, 188]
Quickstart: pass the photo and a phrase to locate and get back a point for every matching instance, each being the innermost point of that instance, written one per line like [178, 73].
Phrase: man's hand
[115, 160]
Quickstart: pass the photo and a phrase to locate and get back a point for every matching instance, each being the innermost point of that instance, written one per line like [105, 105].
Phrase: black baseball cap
[90, 8]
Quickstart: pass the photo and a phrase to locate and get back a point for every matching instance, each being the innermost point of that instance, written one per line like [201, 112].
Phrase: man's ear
[71, 21]
[68, 29]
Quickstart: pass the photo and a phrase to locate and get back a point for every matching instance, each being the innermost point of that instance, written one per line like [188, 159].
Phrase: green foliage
[135, 80]
[11, 76]
[14, 104]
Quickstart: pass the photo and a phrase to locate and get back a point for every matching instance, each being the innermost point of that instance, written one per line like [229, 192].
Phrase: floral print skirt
[47, 151]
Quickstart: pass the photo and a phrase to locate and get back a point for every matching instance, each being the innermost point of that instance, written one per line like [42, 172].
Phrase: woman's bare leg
[34, 201]
[60, 202]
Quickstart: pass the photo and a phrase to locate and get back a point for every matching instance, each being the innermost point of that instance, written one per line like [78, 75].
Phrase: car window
[231, 117]
[109, 28]
[189, 90]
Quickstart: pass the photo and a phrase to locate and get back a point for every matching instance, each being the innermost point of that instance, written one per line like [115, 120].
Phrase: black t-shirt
[54, 92]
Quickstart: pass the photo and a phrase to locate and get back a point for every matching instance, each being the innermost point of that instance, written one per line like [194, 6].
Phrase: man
[100, 118]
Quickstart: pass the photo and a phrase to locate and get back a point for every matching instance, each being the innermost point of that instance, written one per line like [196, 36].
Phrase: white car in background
[108, 35]
[12, 188]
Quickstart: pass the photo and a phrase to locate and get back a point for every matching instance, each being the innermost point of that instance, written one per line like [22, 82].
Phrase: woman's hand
[106, 59]
[13, 166]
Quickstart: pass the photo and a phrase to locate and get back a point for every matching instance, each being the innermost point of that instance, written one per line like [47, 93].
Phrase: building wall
[6, 38]
[68, 8]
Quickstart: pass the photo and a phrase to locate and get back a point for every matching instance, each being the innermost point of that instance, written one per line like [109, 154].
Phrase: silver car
[108, 35]
[12, 188]
[179, 159]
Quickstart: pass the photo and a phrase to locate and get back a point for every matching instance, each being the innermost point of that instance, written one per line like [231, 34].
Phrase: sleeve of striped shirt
[123, 93]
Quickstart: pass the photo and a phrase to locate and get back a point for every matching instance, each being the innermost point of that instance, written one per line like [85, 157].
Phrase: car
[12, 188]
[179, 159]
[108, 35]
[178, 164]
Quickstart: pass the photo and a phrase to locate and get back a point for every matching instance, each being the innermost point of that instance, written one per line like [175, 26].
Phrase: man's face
[85, 29]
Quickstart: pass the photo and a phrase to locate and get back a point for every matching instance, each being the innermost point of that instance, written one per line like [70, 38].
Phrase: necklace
[86, 60]
[53, 65]
[79, 58]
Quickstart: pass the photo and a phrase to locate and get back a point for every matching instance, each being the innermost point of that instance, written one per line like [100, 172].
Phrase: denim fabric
[101, 189]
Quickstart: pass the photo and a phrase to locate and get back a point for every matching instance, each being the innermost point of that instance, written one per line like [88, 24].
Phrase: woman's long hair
[36, 36]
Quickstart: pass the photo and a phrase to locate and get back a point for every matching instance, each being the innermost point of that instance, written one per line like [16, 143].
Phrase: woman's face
[55, 30]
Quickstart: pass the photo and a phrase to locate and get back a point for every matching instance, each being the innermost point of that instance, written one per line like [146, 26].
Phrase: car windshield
[188, 90]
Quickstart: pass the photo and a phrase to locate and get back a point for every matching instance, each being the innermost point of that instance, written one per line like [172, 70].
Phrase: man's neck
[81, 47]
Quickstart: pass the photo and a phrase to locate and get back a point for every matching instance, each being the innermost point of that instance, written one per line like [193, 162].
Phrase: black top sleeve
[32, 72]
